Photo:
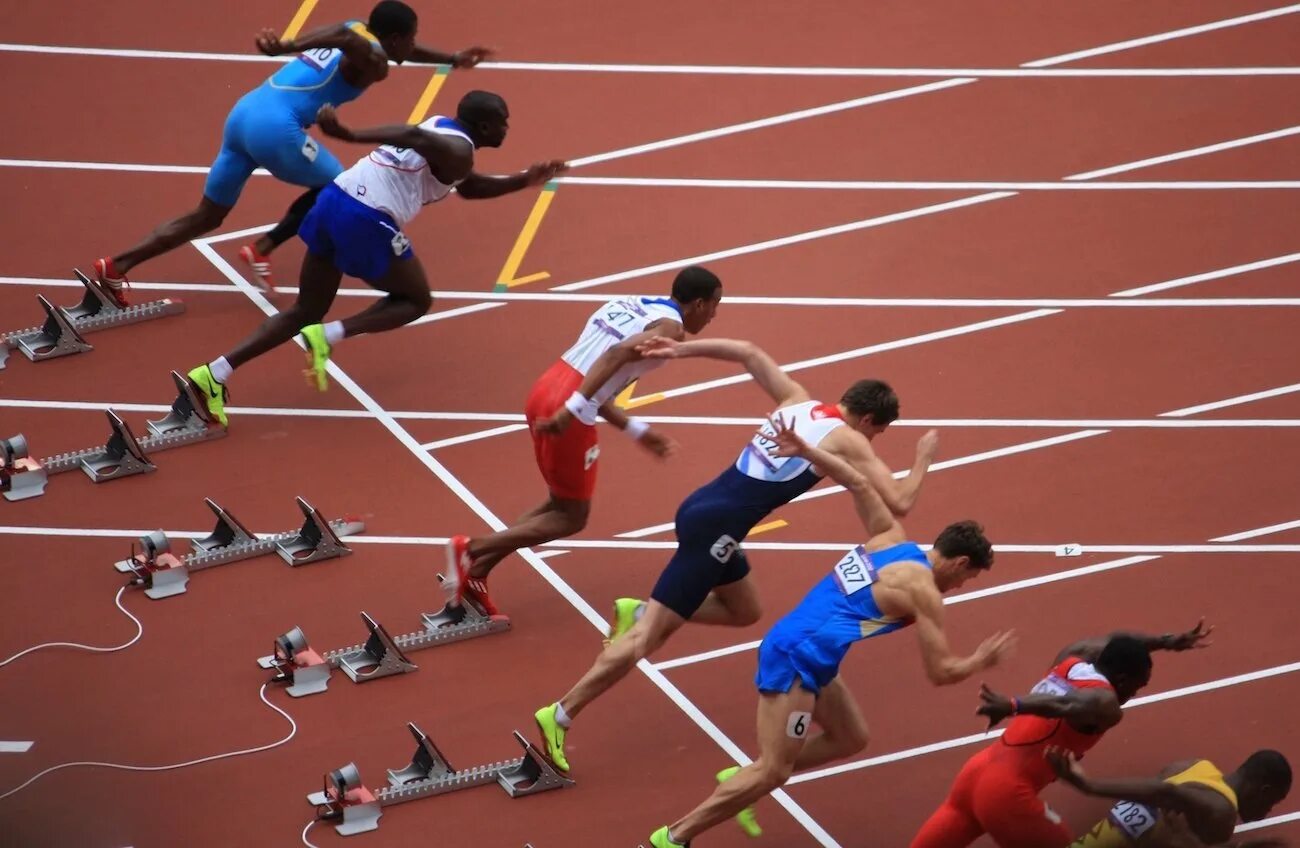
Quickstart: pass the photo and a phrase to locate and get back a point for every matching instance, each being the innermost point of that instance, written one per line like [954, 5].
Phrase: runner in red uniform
[996, 792]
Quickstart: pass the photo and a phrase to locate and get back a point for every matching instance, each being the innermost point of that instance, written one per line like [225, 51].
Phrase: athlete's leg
[483, 565]
[954, 824]
[287, 228]
[733, 604]
[843, 730]
[1015, 817]
[563, 517]
[204, 218]
[318, 284]
[783, 720]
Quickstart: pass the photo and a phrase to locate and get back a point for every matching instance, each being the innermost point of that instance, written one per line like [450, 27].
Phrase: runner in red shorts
[996, 792]
[581, 386]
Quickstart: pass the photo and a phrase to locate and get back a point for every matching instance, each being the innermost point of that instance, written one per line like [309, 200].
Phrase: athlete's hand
[658, 347]
[928, 445]
[471, 56]
[328, 121]
[658, 444]
[270, 44]
[995, 649]
[1197, 637]
[993, 706]
[540, 173]
[556, 424]
[1067, 767]
[785, 442]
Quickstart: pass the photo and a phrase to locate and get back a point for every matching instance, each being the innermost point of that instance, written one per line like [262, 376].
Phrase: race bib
[589, 459]
[854, 572]
[1051, 685]
[400, 244]
[724, 549]
[1133, 818]
[318, 57]
[309, 149]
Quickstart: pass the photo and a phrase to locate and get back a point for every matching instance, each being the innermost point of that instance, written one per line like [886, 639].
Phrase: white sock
[561, 717]
[640, 611]
[221, 369]
[334, 332]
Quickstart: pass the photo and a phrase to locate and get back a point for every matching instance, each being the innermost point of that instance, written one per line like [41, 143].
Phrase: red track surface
[188, 688]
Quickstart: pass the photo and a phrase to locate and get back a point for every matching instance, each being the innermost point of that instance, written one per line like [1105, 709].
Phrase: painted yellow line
[507, 277]
[771, 525]
[625, 396]
[430, 91]
[531, 278]
[299, 18]
[633, 403]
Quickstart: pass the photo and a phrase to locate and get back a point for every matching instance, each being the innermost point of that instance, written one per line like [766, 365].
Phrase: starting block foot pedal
[21, 477]
[534, 773]
[295, 663]
[315, 541]
[427, 763]
[378, 657]
[188, 413]
[121, 456]
[229, 531]
[56, 337]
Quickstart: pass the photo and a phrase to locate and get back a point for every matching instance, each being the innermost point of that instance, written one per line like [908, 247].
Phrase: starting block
[124, 455]
[61, 334]
[20, 476]
[381, 655]
[347, 800]
[163, 575]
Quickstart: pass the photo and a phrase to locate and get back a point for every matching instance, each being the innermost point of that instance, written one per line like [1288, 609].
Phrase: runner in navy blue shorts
[706, 580]
[879, 587]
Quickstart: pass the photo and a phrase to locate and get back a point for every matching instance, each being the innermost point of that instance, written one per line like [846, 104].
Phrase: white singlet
[811, 420]
[397, 180]
[611, 324]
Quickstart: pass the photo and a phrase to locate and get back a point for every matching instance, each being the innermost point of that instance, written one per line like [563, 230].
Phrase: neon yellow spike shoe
[625, 610]
[552, 736]
[745, 818]
[318, 355]
[212, 391]
[661, 839]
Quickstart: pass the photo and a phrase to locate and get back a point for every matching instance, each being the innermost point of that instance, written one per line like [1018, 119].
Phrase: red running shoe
[114, 284]
[456, 580]
[259, 266]
[477, 591]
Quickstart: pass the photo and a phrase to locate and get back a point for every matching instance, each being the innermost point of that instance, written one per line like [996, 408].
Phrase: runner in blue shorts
[268, 128]
[706, 581]
[355, 228]
[881, 586]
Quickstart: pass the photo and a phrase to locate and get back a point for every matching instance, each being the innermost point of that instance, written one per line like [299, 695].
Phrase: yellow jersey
[1132, 824]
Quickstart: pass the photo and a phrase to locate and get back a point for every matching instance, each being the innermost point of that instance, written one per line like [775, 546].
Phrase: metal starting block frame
[307, 672]
[21, 477]
[124, 455]
[163, 575]
[347, 799]
[61, 334]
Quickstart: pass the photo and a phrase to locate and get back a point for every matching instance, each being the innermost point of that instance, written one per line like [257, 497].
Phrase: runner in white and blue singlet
[706, 581]
[880, 586]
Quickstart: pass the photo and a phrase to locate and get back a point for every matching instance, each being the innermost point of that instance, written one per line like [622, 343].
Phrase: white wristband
[636, 428]
[581, 408]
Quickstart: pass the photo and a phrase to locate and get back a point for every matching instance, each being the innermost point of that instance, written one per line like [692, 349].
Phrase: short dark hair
[966, 538]
[695, 283]
[1268, 767]
[392, 17]
[1125, 655]
[874, 398]
[478, 106]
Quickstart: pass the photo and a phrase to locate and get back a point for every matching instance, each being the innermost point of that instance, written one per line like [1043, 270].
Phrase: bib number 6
[796, 726]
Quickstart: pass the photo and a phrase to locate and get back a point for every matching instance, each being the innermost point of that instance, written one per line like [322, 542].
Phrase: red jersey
[1028, 736]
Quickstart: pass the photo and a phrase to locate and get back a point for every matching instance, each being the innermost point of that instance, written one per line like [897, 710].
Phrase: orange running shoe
[455, 581]
[259, 266]
[114, 284]
[477, 591]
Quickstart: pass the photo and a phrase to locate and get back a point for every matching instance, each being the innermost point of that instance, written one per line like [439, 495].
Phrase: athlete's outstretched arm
[467, 58]
[762, 368]
[339, 36]
[450, 160]
[1098, 707]
[1090, 649]
[479, 187]
[942, 667]
[899, 495]
[1151, 791]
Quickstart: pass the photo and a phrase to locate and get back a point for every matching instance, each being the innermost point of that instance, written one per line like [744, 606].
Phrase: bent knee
[774, 775]
[421, 301]
[856, 740]
[748, 615]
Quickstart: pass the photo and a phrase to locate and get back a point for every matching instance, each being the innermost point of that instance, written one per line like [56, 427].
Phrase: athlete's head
[1126, 663]
[697, 291]
[1263, 781]
[872, 404]
[394, 24]
[960, 553]
[485, 117]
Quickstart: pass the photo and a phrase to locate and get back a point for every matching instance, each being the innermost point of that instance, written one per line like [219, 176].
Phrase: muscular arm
[340, 36]
[623, 353]
[1082, 707]
[756, 361]
[942, 668]
[450, 159]
[1089, 649]
[876, 518]
[899, 495]
[429, 56]
[480, 187]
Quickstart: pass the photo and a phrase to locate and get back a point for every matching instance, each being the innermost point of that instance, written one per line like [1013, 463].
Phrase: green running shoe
[624, 616]
[318, 355]
[212, 391]
[660, 839]
[552, 736]
[745, 818]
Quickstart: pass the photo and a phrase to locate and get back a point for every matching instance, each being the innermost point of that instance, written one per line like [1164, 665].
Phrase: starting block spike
[155, 568]
[21, 477]
[56, 337]
[314, 542]
[346, 797]
[378, 657]
[121, 456]
[229, 531]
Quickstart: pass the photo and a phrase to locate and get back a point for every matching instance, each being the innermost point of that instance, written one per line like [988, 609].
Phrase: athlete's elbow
[942, 673]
